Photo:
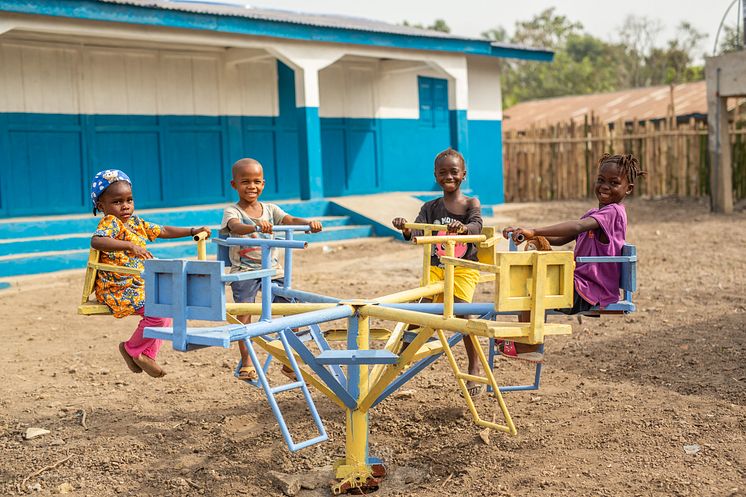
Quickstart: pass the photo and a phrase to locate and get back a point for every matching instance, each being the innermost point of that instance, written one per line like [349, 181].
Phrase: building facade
[174, 93]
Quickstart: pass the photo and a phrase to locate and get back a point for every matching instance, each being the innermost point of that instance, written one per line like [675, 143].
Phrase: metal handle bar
[261, 242]
[291, 227]
[420, 240]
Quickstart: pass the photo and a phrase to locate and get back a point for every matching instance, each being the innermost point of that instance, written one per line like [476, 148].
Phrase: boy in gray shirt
[251, 218]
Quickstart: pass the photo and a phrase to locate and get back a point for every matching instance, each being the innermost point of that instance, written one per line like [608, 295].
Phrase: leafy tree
[731, 41]
[638, 34]
[439, 25]
[546, 29]
[585, 64]
[497, 33]
[673, 64]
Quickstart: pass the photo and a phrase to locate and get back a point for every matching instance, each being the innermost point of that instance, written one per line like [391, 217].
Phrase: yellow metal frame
[531, 281]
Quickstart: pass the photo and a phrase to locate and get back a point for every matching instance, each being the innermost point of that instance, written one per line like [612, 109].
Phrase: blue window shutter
[433, 93]
[426, 99]
[440, 101]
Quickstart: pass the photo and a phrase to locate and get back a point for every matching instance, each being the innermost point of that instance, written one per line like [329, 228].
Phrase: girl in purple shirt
[599, 232]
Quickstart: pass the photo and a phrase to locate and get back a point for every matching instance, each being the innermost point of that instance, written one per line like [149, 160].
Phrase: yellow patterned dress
[123, 293]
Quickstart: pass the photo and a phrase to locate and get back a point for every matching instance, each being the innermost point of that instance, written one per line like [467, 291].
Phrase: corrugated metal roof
[307, 19]
[273, 23]
[638, 103]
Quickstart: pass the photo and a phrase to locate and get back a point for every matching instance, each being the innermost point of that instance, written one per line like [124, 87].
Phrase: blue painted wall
[351, 156]
[379, 155]
[47, 160]
[486, 161]
[172, 160]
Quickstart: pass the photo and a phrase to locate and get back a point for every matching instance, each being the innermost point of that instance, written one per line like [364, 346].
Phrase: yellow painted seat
[533, 282]
[92, 307]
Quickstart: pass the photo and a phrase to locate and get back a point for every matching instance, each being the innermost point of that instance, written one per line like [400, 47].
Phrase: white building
[173, 93]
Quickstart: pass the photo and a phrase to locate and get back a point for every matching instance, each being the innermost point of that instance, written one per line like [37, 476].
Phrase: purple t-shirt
[599, 283]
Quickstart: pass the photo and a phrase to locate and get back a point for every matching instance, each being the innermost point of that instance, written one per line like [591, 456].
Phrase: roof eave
[523, 53]
[133, 14]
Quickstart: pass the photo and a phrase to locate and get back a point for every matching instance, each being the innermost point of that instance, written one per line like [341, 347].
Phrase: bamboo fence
[559, 161]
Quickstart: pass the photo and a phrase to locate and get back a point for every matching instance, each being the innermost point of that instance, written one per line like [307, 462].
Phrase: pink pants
[137, 344]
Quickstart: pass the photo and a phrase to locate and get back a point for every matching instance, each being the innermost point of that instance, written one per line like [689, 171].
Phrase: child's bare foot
[149, 366]
[128, 359]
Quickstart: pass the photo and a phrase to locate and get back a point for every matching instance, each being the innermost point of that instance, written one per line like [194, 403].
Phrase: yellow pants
[464, 282]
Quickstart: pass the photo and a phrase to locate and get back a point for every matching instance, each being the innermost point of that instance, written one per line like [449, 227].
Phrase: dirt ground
[620, 400]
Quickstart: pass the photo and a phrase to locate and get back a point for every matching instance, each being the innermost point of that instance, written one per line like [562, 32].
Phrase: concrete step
[200, 215]
[49, 261]
[77, 241]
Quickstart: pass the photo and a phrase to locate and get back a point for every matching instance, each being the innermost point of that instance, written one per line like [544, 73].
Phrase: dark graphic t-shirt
[435, 212]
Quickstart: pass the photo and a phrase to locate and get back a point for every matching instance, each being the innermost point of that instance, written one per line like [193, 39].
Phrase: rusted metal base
[357, 486]
[362, 488]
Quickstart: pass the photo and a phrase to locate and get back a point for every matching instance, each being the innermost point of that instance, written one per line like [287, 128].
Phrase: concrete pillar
[309, 134]
[721, 165]
[306, 62]
[726, 77]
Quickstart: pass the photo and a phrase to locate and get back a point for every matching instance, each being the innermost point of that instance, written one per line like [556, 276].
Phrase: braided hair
[450, 152]
[628, 165]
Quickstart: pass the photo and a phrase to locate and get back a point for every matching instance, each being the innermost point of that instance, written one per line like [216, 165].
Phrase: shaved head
[241, 164]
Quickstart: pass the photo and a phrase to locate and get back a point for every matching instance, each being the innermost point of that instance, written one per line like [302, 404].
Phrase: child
[599, 232]
[121, 238]
[462, 215]
[251, 217]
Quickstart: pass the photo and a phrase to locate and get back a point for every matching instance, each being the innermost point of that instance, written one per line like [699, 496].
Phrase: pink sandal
[507, 349]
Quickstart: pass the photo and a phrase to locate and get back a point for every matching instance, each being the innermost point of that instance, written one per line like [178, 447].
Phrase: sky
[601, 18]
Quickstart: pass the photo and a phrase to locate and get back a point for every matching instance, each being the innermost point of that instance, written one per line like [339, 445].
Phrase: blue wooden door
[349, 149]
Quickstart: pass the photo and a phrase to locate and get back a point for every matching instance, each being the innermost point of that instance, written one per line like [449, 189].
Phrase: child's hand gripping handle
[518, 235]
[201, 244]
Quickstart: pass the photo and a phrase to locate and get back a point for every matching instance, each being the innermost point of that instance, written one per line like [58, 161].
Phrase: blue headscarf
[103, 180]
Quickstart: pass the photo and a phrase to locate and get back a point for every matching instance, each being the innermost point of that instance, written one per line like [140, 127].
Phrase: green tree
[731, 40]
[497, 33]
[674, 63]
[582, 63]
[638, 34]
[585, 64]
[438, 25]
[545, 29]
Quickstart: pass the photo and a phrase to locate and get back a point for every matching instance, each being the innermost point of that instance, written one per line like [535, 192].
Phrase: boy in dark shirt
[462, 216]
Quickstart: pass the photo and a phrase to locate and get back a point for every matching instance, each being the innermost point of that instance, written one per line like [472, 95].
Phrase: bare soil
[620, 398]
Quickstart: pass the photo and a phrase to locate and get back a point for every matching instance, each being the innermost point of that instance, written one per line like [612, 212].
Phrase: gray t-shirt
[435, 212]
[250, 258]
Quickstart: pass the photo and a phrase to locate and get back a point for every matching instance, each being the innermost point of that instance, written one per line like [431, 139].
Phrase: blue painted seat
[627, 283]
